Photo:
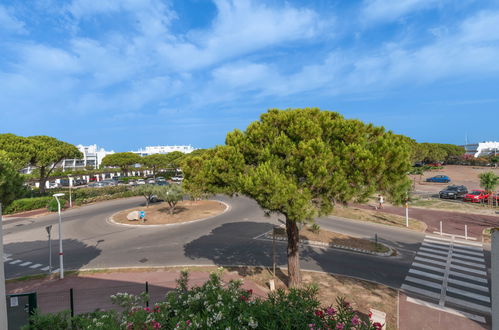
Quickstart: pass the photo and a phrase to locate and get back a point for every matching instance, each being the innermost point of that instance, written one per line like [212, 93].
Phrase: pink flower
[330, 311]
[311, 325]
[188, 322]
[243, 298]
[340, 326]
[355, 320]
[377, 325]
[249, 292]
[319, 313]
[156, 325]
[147, 309]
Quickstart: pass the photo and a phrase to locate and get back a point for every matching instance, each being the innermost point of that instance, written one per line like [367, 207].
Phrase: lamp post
[3, 304]
[61, 261]
[70, 185]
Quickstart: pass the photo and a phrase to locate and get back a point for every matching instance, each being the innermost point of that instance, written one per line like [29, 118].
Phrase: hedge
[28, 204]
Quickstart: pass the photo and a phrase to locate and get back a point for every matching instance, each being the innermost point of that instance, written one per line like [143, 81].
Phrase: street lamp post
[3, 304]
[61, 259]
[70, 185]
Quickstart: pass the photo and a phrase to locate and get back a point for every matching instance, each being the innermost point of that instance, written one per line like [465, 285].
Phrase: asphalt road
[90, 241]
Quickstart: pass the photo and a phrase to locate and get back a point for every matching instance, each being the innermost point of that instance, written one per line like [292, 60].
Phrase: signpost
[48, 229]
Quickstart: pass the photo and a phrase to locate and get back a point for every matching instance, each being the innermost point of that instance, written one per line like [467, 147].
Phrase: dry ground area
[376, 216]
[329, 237]
[159, 214]
[93, 288]
[459, 174]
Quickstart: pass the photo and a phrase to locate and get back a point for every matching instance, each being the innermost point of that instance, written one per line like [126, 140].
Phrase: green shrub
[315, 228]
[28, 204]
[53, 207]
[215, 305]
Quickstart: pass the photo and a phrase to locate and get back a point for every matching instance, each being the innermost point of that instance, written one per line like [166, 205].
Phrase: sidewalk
[417, 317]
[92, 291]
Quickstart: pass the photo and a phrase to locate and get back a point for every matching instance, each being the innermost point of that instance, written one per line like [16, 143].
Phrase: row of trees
[434, 152]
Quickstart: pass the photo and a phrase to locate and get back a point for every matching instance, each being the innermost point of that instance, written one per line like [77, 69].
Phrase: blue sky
[129, 73]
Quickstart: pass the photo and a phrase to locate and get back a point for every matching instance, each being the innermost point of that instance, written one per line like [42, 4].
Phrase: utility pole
[3, 300]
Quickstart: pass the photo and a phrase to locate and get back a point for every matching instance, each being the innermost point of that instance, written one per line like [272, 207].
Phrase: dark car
[453, 192]
[162, 183]
[439, 178]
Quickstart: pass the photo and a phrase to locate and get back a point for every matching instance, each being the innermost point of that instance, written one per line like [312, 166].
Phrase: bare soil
[377, 216]
[185, 211]
[459, 175]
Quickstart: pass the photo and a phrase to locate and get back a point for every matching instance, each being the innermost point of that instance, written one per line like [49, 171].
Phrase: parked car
[54, 185]
[162, 183]
[439, 178]
[476, 196]
[177, 178]
[150, 181]
[79, 182]
[141, 181]
[132, 183]
[98, 184]
[453, 192]
[109, 182]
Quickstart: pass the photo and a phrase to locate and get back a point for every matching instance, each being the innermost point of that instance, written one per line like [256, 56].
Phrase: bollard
[71, 302]
[147, 292]
[465, 231]
[440, 228]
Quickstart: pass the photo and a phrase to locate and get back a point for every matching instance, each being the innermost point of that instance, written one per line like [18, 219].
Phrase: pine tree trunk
[294, 280]
[43, 179]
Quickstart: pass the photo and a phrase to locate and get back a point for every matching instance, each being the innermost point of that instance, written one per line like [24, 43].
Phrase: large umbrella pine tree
[301, 162]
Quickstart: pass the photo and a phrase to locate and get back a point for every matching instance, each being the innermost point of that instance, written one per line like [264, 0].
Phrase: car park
[132, 183]
[453, 192]
[162, 183]
[177, 179]
[476, 196]
[141, 181]
[150, 181]
[439, 179]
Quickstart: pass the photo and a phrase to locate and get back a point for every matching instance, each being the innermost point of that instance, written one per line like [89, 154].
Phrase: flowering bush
[215, 305]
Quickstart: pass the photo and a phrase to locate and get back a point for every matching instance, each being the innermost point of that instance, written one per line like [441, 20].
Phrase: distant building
[482, 149]
[92, 158]
[151, 150]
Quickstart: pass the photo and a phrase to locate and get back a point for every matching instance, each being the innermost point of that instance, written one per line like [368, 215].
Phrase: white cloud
[9, 23]
[390, 10]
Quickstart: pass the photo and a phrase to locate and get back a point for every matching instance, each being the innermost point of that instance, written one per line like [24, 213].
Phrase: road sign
[48, 229]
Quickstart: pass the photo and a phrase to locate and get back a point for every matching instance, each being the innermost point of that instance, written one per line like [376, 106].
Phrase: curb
[111, 220]
[390, 251]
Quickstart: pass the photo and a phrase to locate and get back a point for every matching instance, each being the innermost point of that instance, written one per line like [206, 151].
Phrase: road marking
[7, 259]
[424, 282]
[422, 292]
[26, 263]
[45, 268]
[462, 256]
[469, 248]
[467, 304]
[470, 316]
[431, 255]
[432, 249]
[467, 269]
[435, 269]
[440, 263]
[15, 262]
[453, 239]
[470, 253]
[425, 274]
[468, 263]
[435, 242]
[469, 285]
[469, 277]
[468, 294]
[35, 266]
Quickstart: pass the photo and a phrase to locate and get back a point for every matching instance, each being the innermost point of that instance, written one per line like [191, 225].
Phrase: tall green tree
[20, 149]
[48, 153]
[156, 162]
[11, 182]
[123, 160]
[489, 181]
[300, 162]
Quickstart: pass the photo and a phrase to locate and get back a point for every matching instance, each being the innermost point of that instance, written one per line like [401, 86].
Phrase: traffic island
[161, 214]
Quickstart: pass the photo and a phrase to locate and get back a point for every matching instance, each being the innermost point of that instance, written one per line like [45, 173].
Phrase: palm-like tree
[489, 182]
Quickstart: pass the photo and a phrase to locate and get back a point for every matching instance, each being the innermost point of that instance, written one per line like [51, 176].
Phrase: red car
[476, 196]
[494, 198]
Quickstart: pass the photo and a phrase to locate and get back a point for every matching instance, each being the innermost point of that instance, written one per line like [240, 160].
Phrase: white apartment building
[92, 157]
[151, 150]
[482, 149]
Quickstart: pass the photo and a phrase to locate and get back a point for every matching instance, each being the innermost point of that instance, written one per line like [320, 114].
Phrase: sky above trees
[129, 73]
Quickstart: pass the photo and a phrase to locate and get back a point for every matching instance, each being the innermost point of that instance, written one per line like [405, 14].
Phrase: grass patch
[455, 206]
[377, 217]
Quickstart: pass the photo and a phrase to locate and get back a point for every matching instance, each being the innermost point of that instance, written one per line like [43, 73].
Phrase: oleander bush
[214, 305]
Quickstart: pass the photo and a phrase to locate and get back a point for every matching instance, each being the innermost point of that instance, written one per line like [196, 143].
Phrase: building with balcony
[482, 149]
[151, 150]
[92, 158]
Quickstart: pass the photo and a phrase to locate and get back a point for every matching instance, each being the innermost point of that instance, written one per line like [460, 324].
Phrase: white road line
[26, 263]
[462, 256]
[468, 294]
[15, 262]
[470, 316]
[469, 285]
[469, 253]
[7, 259]
[469, 277]
[45, 268]
[423, 282]
[469, 248]
[432, 250]
[467, 304]
[425, 274]
[435, 242]
[435, 269]
[468, 263]
[35, 266]
[468, 244]
[467, 269]
[419, 291]
[431, 255]
[440, 263]
[456, 241]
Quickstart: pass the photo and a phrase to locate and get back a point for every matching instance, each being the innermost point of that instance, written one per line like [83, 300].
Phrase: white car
[177, 178]
[141, 181]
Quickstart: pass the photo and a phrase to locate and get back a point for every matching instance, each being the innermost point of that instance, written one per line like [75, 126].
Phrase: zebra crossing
[450, 275]
[23, 263]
